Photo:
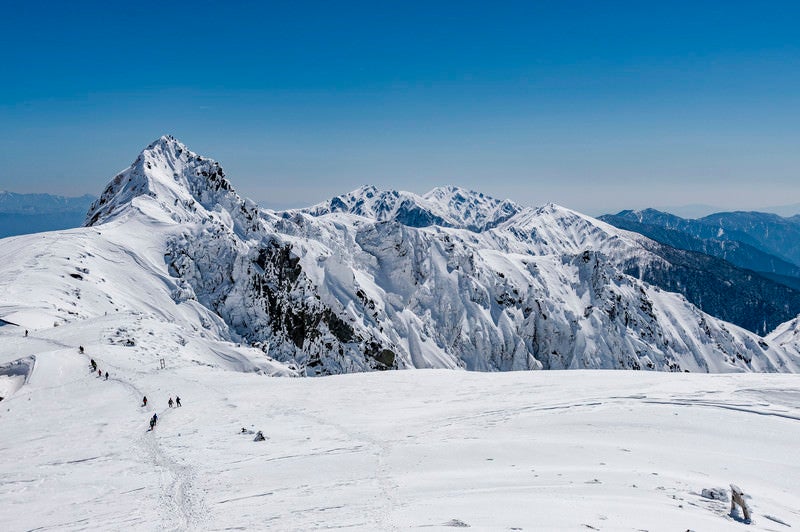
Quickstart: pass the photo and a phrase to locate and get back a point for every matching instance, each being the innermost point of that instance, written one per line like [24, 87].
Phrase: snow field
[430, 449]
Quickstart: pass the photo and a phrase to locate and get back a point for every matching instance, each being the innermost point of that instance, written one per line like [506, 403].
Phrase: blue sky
[598, 106]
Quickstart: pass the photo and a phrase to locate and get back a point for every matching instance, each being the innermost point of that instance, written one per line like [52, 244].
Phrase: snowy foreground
[428, 449]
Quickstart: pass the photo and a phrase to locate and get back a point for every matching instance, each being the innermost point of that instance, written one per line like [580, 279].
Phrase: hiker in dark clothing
[80, 349]
[144, 401]
[94, 365]
[170, 402]
[177, 400]
[26, 333]
[99, 373]
[106, 375]
[153, 421]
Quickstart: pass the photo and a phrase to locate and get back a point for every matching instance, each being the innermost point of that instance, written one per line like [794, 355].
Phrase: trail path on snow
[182, 507]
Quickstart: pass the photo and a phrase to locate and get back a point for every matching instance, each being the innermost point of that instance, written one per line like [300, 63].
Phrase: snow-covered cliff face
[226, 257]
[787, 336]
[381, 279]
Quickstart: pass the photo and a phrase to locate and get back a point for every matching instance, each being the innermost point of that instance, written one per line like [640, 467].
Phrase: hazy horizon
[684, 211]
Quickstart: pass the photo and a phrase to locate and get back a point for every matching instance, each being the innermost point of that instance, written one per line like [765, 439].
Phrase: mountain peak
[174, 176]
[448, 206]
[167, 140]
[165, 154]
[452, 190]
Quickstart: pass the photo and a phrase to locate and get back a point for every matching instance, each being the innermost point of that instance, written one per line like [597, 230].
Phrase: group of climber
[94, 365]
[154, 419]
[170, 403]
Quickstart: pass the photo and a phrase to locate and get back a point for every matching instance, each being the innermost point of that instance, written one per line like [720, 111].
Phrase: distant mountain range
[744, 250]
[33, 213]
[758, 241]
[698, 210]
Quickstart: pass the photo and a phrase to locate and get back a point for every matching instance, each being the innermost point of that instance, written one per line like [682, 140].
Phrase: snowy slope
[787, 335]
[330, 291]
[116, 277]
[398, 451]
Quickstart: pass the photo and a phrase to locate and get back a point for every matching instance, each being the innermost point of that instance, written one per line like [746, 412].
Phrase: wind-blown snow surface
[381, 451]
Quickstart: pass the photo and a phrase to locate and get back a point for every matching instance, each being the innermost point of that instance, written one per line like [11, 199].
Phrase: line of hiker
[94, 365]
[171, 404]
[153, 420]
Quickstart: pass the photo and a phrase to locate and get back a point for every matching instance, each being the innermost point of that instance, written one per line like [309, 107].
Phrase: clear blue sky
[594, 105]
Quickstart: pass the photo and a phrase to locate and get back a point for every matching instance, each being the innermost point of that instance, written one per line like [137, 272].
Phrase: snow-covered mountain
[787, 335]
[770, 233]
[736, 252]
[444, 206]
[381, 280]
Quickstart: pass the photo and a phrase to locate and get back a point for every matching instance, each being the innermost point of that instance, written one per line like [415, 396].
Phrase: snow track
[181, 507]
